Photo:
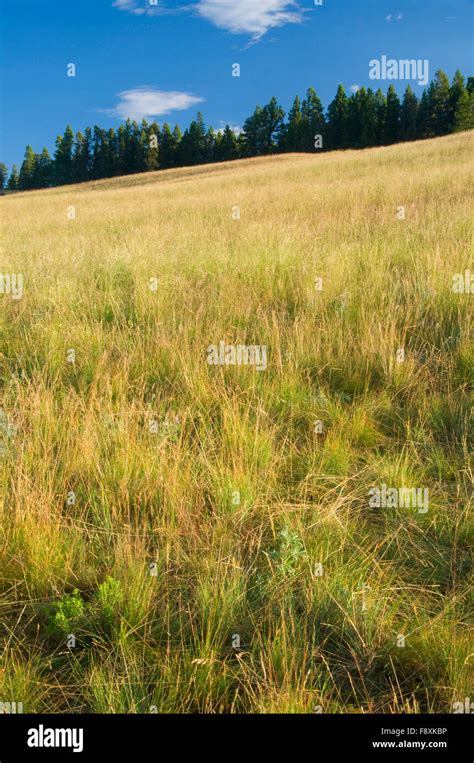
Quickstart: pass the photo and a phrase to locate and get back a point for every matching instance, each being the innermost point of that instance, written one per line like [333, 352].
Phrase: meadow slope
[182, 537]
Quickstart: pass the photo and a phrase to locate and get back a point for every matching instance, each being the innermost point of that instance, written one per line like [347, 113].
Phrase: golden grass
[140, 452]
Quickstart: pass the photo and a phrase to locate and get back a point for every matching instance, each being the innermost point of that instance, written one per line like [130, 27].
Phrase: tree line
[361, 120]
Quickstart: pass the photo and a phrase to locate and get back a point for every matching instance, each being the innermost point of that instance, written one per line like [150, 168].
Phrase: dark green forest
[361, 120]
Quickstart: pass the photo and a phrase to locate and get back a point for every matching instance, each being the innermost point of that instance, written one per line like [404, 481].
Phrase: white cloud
[144, 7]
[389, 17]
[147, 103]
[354, 88]
[253, 17]
[128, 5]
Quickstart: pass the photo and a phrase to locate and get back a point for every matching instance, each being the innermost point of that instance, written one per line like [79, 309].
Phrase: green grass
[205, 532]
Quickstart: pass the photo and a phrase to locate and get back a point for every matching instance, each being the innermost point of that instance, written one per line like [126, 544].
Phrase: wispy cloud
[148, 103]
[129, 5]
[354, 88]
[147, 8]
[393, 17]
[254, 17]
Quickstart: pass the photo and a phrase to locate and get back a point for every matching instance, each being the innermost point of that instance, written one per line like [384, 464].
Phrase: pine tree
[227, 147]
[381, 110]
[27, 171]
[251, 133]
[152, 161]
[263, 131]
[313, 122]
[100, 154]
[196, 147]
[425, 127]
[210, 145]
[142, 148]
[3, 175]
[131, 159]
[292, 135]
[43, 174]
[167, 147]
[464, 114]
[272, 126]
[440, 103]
[391, 132]
[112, 153]
[409, 115]
[354, 126]
[14, 179]
[177, 140]
[63, 157]
[458, 103]
[368, 117]
[337, 120]
[81, 162]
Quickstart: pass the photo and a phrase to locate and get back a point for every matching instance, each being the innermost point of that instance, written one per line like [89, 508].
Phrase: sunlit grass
[205, 532]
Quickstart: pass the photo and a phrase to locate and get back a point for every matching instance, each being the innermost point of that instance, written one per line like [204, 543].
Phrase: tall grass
[209, 546]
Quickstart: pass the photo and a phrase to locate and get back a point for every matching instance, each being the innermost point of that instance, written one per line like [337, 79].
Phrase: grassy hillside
[204, 532]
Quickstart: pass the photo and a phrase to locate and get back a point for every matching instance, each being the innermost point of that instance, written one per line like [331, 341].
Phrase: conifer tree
[251, 133]
[263, 131]
[120, 162]
[177, 138]
[13, 180]
[271, 127]
[81, 160]
[167, 148]
[227, 147]
[409, 115]
[369, 117]
[112, 153]
[292, 136]
[3, 175]
[100, 153]
[458, 104]
[354, 126]
[63, 157]
[337, 120]
[464, 114]
[194, 143]
[425, 128]
[391, 132]
[27, 171]
[381, 109]
[313, 122]
[210, 145]
[440, 103]
[43, 173]
[152, 161]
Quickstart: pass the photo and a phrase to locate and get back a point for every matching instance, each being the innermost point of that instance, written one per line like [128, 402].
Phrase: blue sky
[167, 59]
